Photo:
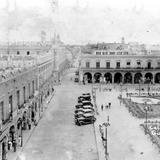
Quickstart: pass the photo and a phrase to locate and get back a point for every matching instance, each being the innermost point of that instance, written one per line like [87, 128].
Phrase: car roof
[85, 101]
[87, 106]
[88, 109]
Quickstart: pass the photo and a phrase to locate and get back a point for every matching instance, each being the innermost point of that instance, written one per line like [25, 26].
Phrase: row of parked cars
[84, 111]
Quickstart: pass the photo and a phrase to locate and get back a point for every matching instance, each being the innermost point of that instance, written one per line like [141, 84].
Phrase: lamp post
[146, 109]
[106, 140]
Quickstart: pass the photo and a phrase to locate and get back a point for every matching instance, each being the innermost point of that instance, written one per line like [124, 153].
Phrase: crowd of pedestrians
[108, 106]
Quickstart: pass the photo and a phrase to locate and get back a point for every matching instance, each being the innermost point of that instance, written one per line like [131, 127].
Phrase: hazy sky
[81, 21]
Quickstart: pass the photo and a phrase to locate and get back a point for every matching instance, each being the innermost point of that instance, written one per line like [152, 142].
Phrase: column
[112, 78]
[122, 77]
[153, 80]
[133, 77]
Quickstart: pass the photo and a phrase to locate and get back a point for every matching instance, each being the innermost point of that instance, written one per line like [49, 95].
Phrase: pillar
[112, 78]
[133, 77]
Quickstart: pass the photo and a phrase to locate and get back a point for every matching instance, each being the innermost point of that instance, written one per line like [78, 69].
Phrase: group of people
[108, 106]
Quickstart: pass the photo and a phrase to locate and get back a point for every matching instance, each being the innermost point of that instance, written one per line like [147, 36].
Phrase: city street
[126, 140]
[57, 137]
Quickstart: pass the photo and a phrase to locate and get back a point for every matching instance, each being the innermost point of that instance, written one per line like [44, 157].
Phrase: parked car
[87, 106]
[86, 94]
[84, 110]
[81, 114]
[84, 103]
[80, 99]
[78, 106]
[85, 120]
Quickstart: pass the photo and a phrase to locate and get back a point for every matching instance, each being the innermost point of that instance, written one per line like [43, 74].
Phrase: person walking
[106, 106]
[102, 107]
[29, 123]
[14, 145]
[109, 105]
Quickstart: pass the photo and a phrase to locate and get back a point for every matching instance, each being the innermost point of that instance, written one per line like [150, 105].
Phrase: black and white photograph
[79, 80]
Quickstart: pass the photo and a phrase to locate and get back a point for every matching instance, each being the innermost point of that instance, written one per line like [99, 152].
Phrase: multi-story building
[21, 100]
[119, 65]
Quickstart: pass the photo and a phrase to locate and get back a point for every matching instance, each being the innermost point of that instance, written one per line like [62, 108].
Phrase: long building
[117, 64]
[23, 92]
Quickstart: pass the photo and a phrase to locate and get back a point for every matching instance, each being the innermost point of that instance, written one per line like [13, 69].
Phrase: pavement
[56, 137]
[26, 136]
[126, 139]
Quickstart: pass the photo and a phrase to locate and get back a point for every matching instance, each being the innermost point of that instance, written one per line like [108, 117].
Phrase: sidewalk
[26, 135]
[126, 139]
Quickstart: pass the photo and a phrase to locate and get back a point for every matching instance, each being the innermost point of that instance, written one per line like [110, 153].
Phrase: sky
[81, 21]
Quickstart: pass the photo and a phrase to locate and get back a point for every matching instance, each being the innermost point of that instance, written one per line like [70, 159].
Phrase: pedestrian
[9, 145]
[20, 141]
[109, 105]
[29, 123]
[102, 107]
[14, 145]
[106, 106]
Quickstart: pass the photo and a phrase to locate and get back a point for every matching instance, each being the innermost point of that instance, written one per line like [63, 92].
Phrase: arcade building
[119, 66]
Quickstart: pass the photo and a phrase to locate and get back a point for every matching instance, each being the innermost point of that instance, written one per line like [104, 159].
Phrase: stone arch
[97, 77]
[137, 77]
[108, 77]
[117, 77]
[148, 77]
[157, 78]
[128, 77]
[87, 77]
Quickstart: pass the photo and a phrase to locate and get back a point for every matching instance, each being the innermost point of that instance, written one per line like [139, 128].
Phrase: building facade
[119, 66]
[22, 95]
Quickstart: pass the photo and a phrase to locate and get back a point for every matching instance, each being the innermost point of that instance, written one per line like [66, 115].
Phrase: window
[149, 65]
[32, 87]
[24, 94]
[18, 97]
[128, 63]
[28, 53]
[119, 53]
[18, 52]
[29, 90]
[118, 65]
[158, 64]
[87, 64]
[10, 104]
[2, 110]
[97, 64]
[107, 64]
[112, 53]
[138, 63]
[98, 53]
[125, 53]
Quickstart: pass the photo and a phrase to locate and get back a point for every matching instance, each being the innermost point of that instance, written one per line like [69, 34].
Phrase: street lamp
[106, 140]
[147, 109]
